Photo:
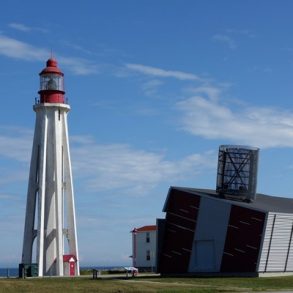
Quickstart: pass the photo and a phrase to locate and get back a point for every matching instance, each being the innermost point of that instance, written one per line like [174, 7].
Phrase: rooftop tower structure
[50, 210]
[237, 172]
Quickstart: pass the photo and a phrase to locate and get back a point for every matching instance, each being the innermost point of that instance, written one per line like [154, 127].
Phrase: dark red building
[204, 232]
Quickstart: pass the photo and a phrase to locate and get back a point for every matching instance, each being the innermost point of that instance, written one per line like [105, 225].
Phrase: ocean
[8, 272]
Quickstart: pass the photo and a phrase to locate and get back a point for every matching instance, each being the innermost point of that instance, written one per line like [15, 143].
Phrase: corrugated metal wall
[277, 248]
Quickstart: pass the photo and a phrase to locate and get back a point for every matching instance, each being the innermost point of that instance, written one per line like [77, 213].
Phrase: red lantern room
[51, 83]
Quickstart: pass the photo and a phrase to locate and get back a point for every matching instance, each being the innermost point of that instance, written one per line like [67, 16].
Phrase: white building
[144, 244]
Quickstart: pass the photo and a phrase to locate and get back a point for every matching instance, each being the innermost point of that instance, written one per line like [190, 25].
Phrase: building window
[148, 255]
[148, 237]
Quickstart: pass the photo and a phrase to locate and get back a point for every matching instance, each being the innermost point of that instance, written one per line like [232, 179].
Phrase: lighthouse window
[52, 85]
[51, 82]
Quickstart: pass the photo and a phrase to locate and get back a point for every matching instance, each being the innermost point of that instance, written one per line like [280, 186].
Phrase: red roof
[52, 67]
[145, 228]
[67, 257]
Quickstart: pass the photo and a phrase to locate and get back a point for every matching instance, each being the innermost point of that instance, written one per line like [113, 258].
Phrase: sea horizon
[13, 271]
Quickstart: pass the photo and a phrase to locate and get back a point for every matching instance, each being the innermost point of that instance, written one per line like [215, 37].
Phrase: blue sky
[154, 87]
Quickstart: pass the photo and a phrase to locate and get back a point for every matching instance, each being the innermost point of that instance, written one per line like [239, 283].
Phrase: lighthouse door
[71, 267]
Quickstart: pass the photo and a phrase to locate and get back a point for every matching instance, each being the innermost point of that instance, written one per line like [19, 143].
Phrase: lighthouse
[50, 240]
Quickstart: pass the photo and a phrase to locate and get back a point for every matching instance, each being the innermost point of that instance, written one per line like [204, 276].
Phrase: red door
[72, 268]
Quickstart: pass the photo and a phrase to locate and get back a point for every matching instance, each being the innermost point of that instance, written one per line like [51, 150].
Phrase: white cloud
[209, 91]
[226, 40]
[115, 166]
[78, 66]
[24, 28]
[266, 70]
[258, 126]
[150, 87]
[15, 152]
[12, 175]
[106, 167]
[154, 71]
[16, 143]
[243, 32]
[8, 197]
[13, 48]
[20, 27]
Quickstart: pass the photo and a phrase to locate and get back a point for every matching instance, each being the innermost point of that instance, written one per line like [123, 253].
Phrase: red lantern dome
[51, 83]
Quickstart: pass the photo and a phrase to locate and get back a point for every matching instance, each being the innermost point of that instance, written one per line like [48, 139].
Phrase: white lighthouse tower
[50, 240]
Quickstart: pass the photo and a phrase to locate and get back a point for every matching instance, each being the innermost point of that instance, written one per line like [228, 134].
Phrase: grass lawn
[146, 284]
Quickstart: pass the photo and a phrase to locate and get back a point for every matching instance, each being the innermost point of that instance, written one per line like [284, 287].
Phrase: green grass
[146, 284]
